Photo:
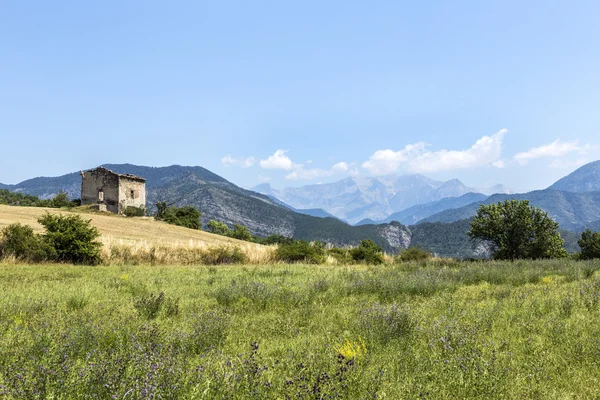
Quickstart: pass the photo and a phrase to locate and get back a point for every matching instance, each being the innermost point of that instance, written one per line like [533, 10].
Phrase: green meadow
[433, 330]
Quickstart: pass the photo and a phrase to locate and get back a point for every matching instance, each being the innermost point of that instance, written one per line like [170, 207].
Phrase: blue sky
[302, 92]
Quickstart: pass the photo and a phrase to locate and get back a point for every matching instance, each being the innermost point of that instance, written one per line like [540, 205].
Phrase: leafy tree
[590, 245]
[187, 216]
[61, 200]
[367, 252]
[161, 207]
[517, 230]
[72, 238]
[218, 228]
[241, 232]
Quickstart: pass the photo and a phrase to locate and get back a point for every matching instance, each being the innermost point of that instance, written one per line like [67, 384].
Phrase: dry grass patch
[144, 240]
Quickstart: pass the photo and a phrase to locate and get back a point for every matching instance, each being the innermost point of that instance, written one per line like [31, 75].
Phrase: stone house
[111, 191]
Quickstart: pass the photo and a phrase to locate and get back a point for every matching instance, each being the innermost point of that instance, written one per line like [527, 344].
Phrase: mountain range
[573, 201]
[360, 199]
[439, 225]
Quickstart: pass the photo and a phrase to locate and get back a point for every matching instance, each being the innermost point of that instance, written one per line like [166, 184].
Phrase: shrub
[148, 306]
[367, 252]
[131, 211]
[342, 256]
[274, 239]
[590, 245]
[21, 242]
[241, 232]
[61, 200]
[413, 254]
[72, 239]
[218, 228]
[301, 251]
[187, 216]
[223, 255]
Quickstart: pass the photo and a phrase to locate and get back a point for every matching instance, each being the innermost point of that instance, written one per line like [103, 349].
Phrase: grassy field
[417, 331]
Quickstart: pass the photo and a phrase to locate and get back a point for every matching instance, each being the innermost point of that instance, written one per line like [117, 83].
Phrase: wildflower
[352, 349]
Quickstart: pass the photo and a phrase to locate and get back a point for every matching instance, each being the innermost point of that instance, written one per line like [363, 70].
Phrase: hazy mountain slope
[416, 213]
[571, 210]
[584, 179]
[365, 198]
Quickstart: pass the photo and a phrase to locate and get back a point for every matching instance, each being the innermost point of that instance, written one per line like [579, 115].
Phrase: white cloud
[264, 179]
[230, 161]
[300, 173]
[554, 149]
[499, 164]
[415, 158]
[340, 167]
[277, 161]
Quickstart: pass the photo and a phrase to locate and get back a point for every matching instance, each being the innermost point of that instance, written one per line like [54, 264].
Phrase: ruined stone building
[111, 191]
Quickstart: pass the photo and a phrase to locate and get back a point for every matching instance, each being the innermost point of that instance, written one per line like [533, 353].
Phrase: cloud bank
[415, 158]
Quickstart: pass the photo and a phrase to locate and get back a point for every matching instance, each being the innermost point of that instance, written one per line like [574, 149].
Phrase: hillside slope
[571, 210]
[419, 212]
[122, 229]
[583, 180]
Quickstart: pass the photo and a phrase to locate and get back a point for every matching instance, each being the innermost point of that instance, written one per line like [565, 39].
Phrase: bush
[187, 216]
[72, 239]
[241, 232]
[223, 255]
[274, 239]
[131, 211]
[61, 200]
[367, 252]
[590, 245]
[301, 251]
[218, 228]
[342, 256]
[149, 306]
[21, 242]
[413, 254]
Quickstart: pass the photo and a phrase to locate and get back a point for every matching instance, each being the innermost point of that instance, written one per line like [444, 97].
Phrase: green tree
[517, 230]
[218, 228]
[73, 238]
[241, 232]
[61, 200]
[590, 245]
[186, 216]
[161, 209]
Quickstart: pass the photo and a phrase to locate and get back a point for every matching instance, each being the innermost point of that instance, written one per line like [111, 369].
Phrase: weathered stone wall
[132, 193]
[93, 182]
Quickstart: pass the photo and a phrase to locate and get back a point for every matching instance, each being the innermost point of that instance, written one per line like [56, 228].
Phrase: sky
[296, 93]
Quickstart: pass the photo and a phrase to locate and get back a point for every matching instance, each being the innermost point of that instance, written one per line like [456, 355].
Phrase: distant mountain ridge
[414, 214]
[355, 199]
[572, 211]
[583, 180]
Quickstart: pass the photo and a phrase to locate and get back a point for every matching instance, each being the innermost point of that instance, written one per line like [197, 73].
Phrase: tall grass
[433, 330]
